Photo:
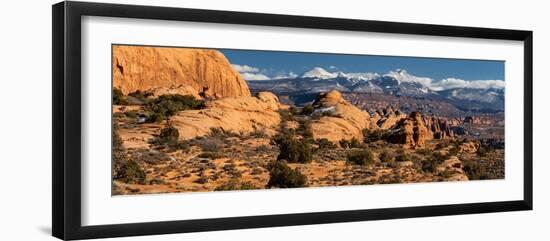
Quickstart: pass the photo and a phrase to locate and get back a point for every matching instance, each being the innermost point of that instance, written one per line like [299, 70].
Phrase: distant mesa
[173, 70]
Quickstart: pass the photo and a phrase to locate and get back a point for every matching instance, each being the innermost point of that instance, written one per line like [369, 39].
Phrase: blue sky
[273, 63]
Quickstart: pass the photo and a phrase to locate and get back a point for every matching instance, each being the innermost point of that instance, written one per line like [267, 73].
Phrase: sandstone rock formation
[390, 118]
[144, 68]
[453, 168]
[347, 121]
[469, 147]
[240, 115]
[439, 127]
[410, 131]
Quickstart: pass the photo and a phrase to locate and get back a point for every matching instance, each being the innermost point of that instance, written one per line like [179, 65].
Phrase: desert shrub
[210, 144]
[117, 140]
[282, 176]
[429, 165]
[263, 148]
[402, 156]
[286, 115]
[324, 143]
[293, 150]
[307, 109]
[118, 97]
[212, 155]
[475, 171]
[454, 150]
[169, 135]
[141, 95]
[202, 180]
[439, 156]
[484, 150]
[354, 143]
[155, 117]
[424, 152]
[344, 143]
[131, 114]
[119, 152]
[231, 169]
[168, 105]
[234, 184]
[304, 129]
[131, 172]
[221, 133]
[258, 133]
[360, 157]
[374, 135]
[386, 156]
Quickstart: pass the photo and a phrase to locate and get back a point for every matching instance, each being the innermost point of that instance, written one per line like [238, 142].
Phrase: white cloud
[453, 83]
[332, 67]
[290, 75]
[245, 68]
[254, 76]
[445, 84]
[250, 73]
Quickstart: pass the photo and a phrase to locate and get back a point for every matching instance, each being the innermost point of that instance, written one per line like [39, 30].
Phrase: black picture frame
[66, 128]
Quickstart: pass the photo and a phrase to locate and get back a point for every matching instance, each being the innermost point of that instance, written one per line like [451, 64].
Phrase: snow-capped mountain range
[479, 93]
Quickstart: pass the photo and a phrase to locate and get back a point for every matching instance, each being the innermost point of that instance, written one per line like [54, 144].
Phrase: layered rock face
[389, 118]
[439, 128]
[240, 115]
[410, 131]
[346, 122]
[207, 72]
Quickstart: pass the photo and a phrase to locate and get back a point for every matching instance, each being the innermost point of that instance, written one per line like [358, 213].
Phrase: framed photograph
[172, 120]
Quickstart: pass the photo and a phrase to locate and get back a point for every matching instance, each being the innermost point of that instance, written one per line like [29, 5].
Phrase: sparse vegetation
[131, 172]
[324, 143]
[352, 143]
[386, 156]
[282, 176]
[424, 152]
[235, 184]
[286, 115]
[429, 165]
[293, 150]
[475, 171]
[453, 151]
[304, 129]
[209, 144]
[221, 133]
[258, 133]
[141, 95]
[374, 135]
[402, 156]
[118, 97]
[119, 152]
[212, 155]
[168, 105]
[360, 157]
[307, 109]
[169, 137]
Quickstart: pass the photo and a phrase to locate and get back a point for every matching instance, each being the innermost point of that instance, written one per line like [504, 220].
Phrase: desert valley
[185, 120]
